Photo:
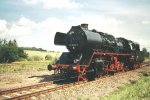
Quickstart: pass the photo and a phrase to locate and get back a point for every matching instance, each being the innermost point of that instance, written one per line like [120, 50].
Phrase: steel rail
[37, 93]
[24, 88]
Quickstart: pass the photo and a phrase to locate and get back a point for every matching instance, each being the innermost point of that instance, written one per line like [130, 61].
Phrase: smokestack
[85, 26]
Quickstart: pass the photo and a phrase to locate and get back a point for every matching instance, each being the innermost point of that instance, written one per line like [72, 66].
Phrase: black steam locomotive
[93, 54]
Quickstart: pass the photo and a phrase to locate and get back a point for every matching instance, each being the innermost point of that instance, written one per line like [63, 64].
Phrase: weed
[138, 91]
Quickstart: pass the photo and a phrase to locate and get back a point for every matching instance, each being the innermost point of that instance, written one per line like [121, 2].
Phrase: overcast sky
[35, 22]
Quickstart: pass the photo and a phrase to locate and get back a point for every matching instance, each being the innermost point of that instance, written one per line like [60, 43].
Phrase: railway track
[34, 90]
[41, 88]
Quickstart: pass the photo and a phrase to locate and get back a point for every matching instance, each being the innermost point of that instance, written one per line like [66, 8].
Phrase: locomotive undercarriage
[100, 63]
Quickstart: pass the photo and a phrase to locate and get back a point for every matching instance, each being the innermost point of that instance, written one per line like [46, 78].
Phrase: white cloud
[17, 31]
[25, 22]
[52, 25]
[145, 22]
[30, 33]
[41, 34]
[144, 43]
[49, 4]
[22, 28]
[3, 26]
[100, 23]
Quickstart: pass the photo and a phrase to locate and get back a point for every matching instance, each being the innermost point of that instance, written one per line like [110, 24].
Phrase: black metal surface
[60, 39]
[134, 46]
[108, 42]
[123, 45]
[76, 39]
[80, 39]
[81, 42]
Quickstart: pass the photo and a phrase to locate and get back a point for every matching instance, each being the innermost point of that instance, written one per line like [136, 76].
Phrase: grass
[29, 65]
[23, 66]
[41, 54]
[139, 90]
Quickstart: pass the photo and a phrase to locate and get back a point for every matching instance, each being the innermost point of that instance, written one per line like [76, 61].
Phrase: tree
[15, 43]
[146, 54]
[10, 43]
[11, 54]
[21, 53]
[9, 51]
[5, 43]
[1, 42]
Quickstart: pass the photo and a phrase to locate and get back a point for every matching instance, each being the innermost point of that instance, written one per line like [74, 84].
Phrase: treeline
[146, 53]
[10, 52]
[33, 48]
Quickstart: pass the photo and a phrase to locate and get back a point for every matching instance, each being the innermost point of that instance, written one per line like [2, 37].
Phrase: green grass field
[41, 54]
[30, 65]
[138, 90]
[23, 66]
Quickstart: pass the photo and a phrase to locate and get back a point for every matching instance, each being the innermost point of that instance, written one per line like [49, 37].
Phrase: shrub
[48, 57]
[11, 54]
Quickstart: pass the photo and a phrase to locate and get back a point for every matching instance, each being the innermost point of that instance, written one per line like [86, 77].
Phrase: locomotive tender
[93, 54]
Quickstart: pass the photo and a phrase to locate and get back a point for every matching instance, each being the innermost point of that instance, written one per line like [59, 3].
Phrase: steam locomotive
[93, 54]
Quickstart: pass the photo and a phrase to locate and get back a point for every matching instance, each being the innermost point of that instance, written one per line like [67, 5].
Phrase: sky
[33, 23]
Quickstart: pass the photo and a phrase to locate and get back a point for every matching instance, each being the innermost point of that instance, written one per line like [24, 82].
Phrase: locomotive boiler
[93, 54]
